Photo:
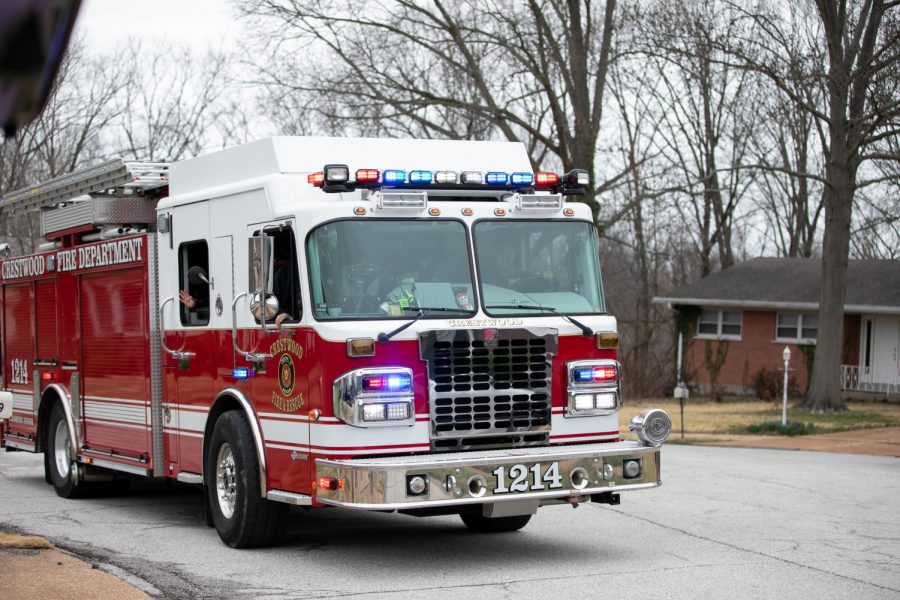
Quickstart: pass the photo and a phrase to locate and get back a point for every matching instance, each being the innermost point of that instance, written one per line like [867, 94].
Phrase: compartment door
[18, 358]
[115, 359]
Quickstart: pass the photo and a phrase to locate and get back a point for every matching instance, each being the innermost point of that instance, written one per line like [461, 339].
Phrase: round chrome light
[652, 426]
[631, 469]
[477, 486]
[416, 485]
[579, 477]
[606, 471]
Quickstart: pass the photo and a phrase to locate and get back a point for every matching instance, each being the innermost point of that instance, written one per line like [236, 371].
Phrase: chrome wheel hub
[61, 450]
[226, 480]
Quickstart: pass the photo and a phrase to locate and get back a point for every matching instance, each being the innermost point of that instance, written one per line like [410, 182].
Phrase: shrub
[769, 385]
[793, 428]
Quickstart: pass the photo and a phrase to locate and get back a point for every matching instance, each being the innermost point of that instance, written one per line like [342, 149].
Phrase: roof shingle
[775, 281]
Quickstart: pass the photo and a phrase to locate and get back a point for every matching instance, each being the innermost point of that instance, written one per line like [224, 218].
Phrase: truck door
[280, 394]
[190, 364]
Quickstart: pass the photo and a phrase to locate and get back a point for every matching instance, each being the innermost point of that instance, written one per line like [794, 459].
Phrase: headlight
[593, 387]
[375, 397]
[652, 426]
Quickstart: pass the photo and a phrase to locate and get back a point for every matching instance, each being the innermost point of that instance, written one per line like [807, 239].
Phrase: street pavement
[727, 522]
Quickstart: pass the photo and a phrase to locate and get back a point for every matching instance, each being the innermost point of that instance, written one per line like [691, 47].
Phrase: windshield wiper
[384, 338]
[585, 330]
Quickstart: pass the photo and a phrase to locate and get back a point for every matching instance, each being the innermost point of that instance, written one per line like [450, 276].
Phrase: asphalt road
[727, 523]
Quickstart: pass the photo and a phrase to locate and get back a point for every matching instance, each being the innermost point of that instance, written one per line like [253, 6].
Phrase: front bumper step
[466, 478]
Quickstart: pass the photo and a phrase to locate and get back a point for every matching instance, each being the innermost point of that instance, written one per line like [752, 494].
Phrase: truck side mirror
[260, 258]
[263, 304]
[267, 309]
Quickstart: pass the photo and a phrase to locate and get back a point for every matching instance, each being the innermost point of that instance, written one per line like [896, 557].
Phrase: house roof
[873, 286]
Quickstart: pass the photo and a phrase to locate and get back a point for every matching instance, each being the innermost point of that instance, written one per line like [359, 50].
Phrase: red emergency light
[330, 483]
[368, 175]
[543, 179]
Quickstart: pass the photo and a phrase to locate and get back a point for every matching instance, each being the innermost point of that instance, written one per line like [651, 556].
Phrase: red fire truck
[362, 323]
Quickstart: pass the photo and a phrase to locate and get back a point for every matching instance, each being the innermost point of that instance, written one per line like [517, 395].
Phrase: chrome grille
[489, 388]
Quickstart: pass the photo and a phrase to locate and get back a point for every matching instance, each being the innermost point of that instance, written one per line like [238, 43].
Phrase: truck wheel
[481, 524]
[57, 460]
[242, 518]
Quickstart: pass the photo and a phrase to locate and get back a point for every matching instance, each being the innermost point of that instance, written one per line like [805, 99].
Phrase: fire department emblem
[285, 351]
[286, 374]
[491, 337]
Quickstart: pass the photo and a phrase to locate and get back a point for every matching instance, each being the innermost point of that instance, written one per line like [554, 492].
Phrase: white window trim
[719, 335]
[794, 340]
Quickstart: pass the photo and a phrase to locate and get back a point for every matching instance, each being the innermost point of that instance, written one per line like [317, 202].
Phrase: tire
[58, 464]
[47, 466]
[242, 518]
[481, 524]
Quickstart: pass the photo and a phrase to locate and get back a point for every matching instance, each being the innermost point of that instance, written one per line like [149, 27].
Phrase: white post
[678, 378]
[787, 358]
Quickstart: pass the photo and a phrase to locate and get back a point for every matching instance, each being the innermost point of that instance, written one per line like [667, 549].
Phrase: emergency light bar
[336, 178]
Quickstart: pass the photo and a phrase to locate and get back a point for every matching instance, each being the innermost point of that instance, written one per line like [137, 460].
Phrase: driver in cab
[507, 273]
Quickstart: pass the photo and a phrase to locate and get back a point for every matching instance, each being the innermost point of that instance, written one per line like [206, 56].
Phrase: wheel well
[233, 399]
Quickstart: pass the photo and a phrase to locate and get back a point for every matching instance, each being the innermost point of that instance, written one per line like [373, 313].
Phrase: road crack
[758, 553]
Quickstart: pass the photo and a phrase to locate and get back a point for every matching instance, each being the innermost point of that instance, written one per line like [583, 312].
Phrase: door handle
[257, 359]
[182, 356]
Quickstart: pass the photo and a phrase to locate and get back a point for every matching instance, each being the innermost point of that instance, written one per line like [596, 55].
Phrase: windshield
[538, 263]
[375, 269]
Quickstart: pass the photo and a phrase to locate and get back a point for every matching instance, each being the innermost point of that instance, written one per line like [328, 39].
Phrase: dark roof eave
[773, 305]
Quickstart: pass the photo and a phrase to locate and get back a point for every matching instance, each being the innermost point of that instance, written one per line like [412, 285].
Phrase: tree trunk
[825, 389]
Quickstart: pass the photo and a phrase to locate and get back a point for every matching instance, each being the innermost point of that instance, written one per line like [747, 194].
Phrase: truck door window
[193, 254]
[286, 281]
[283, 279]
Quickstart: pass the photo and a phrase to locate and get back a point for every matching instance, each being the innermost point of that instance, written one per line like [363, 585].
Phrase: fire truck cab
[394, 325]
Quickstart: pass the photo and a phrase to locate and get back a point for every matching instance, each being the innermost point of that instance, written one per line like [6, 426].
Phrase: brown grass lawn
[22, 542]
[702, 415]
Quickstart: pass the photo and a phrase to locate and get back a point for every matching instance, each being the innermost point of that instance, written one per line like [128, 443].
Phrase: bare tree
[789, 142]
[531, 71]
[175, 104]
[709, 111]
[65, 136]
[634, 242]
[861, 110]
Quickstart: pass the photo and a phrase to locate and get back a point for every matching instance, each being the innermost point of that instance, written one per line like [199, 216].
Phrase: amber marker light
[607, 341]
[357, 347]
[500, 212]
[434, 212]
[359, 210]
[569, 212]
[314, 414]
[467, 212]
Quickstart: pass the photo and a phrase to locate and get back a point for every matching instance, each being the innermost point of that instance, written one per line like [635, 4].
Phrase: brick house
[737, 322]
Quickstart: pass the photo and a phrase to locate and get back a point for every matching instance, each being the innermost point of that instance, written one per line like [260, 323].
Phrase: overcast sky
[198, 23]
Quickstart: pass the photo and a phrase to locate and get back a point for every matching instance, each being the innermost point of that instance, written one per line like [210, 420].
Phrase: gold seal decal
[285, 350]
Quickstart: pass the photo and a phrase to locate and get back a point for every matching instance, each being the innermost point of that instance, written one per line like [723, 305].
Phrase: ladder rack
[125, 178]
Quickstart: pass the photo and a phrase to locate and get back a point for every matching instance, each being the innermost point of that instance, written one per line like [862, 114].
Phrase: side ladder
[125, 177]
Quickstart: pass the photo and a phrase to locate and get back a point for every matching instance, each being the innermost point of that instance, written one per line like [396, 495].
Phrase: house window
[794, 327]
[719, 324]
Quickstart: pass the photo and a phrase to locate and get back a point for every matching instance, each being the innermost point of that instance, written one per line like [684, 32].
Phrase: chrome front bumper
[381, 483]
